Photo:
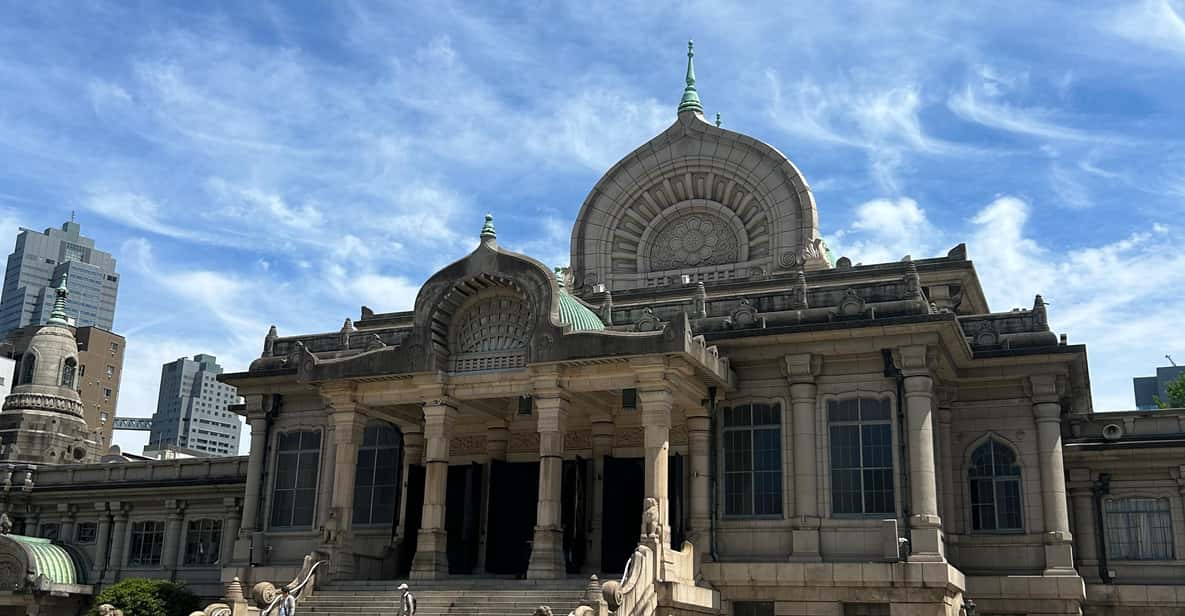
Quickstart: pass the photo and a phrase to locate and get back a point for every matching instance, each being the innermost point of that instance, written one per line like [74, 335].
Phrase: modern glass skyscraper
[38, 263]
[191, 410]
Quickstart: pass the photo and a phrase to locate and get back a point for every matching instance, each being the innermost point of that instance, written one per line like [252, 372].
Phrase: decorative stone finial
[690, 101]
[487, 230]
[559, 277]
[718, 120]
[58, 316]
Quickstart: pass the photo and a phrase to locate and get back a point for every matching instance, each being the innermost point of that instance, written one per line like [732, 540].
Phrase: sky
[258, 163]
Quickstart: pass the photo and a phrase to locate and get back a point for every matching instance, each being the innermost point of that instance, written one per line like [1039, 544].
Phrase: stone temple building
[705, 409]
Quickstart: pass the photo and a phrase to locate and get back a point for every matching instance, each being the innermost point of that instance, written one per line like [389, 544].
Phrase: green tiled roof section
[577, 315]
[573, 313]
[51, 559]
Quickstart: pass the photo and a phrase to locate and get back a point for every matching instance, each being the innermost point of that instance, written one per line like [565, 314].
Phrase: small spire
[690, 100]
[58, 316]
[718, 120]
[487, 230]
[559, 277]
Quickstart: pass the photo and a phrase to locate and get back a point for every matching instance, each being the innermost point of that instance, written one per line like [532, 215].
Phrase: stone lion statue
[543, 610]
[651, 528]
[109, 610]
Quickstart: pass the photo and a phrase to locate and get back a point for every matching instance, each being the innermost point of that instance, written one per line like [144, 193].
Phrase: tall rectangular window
[377, 479]
[752, 451]
[861, 435]
[1139, 529]
[203, 541]
[148, 538]
[297, 458]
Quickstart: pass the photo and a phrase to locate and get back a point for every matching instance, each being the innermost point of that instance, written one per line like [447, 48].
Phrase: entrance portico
[487, 377]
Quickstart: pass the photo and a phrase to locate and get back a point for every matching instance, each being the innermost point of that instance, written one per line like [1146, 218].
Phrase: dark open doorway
[462, 517]
[621, 525]
[514, 494]
[414, 512]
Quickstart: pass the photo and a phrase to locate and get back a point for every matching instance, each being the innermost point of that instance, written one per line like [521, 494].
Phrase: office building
[37, 264]
[191, 409]
[1149, 389]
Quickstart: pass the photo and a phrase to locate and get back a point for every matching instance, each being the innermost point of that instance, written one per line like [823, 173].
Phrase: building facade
[192, 408]
[39, 260]
[100, 371]
[1149, 389]
[704, 405]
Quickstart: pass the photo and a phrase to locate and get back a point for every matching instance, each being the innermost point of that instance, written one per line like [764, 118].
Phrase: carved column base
[1059, 559]
[547, 555]
[926, 545]
[431, 559]
[805, 545]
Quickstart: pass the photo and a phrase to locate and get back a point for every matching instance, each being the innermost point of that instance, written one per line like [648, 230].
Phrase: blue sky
[258, 163]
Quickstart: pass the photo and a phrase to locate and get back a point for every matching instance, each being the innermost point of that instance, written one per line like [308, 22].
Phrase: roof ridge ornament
[690, 101]
[58, 316]
[488, 234]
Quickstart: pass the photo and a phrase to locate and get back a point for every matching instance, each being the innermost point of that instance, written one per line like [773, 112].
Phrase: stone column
[1082, 498]
[1047, 411]
[230, 529]
[175, 512]
[66, 530]
[252, 495]
[102, 540]
[349, 424]
[119, 539]
[413, 455]
[547, 551]
[602, 446]
[497, 442]
[950, 519]
[328, 474]
[924, 522]
[698, 424]
[801, 371]
[656, 406]
[431, 560]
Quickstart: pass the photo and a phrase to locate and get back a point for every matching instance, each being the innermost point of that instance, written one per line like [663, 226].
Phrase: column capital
[67, 509]
[919, 384]
[1045, 388]
[339, 394]
[915, 359]
[802, 368]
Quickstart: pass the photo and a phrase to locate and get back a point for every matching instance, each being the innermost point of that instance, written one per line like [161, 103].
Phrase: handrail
[294, 590]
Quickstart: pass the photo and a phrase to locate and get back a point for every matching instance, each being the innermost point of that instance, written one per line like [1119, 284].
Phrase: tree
[145, 597]
[1176, 394]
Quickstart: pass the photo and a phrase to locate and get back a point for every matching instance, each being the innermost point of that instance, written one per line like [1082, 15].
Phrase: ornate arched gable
[696, 200]
[484, 311]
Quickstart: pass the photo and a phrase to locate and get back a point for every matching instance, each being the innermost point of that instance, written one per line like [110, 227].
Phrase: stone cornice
[42, 402]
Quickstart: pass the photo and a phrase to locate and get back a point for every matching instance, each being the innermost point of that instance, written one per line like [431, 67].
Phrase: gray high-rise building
[36, 266]
[1149, 389]
[191, 410]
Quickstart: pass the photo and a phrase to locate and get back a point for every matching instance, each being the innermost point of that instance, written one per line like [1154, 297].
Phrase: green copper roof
[573, 313]
[690, 100]
[58, 316]
[49, 558]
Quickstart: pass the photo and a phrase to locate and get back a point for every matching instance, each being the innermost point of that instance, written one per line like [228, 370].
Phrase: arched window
[1139, 528]
[376, 484]
[995, 488]
[68, 368]
[28, 365]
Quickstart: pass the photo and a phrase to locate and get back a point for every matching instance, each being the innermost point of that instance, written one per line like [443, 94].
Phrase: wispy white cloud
[1159, 24]
[972, 107]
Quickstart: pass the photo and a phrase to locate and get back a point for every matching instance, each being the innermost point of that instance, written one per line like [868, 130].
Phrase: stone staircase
[462, 596]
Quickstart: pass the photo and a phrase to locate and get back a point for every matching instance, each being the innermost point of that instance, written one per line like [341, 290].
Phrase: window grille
[752, 453]
[861, 435]
[1139, 529]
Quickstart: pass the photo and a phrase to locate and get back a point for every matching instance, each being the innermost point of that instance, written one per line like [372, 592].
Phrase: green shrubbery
[144, 597]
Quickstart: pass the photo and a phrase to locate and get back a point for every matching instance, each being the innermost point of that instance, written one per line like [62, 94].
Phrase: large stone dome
[696, 200]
